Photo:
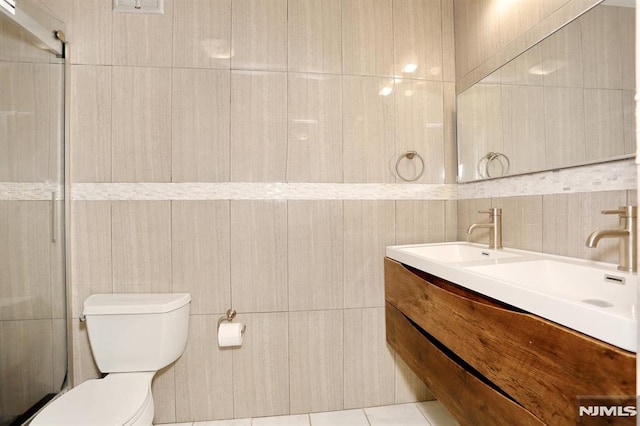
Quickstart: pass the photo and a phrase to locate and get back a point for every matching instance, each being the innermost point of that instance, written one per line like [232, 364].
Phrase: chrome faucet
[495, 238]
[627, 235]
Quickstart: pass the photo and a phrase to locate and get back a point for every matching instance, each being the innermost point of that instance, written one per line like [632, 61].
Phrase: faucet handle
[623, 211]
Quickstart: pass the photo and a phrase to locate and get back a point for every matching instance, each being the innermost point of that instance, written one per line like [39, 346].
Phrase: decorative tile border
[260, 191]
[29, 191]
[611, 176]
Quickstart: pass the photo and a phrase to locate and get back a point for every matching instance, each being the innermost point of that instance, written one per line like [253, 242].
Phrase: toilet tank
[137, 332]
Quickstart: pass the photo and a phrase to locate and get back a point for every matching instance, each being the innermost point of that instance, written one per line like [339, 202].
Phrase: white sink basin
[591, 297]
[565, 280]
[596, 301]
[456, 252]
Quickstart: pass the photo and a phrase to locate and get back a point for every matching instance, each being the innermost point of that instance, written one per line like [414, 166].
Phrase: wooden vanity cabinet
[490, 363]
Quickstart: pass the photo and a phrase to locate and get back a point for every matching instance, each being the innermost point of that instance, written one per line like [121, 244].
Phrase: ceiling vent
[139, 6]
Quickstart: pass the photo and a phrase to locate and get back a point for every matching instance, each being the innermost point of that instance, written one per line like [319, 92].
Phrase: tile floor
[429, 413]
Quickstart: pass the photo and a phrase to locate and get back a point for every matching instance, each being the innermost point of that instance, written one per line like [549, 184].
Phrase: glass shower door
[33, 344]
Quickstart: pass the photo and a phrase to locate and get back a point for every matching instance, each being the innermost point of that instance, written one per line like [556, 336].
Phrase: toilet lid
[112, 401]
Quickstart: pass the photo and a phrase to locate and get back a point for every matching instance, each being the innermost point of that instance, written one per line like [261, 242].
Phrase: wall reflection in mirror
[567, 101]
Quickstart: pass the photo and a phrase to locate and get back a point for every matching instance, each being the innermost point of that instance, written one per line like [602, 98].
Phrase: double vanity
[503, 336]
[513, 337]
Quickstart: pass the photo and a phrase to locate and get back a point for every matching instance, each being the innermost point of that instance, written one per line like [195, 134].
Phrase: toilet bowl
[118, 399]
[132, 336]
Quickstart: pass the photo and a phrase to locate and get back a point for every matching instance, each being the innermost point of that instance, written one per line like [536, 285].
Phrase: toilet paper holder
[229, 316]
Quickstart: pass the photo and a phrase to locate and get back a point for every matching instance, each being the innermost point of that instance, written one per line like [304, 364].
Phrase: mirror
[567, 101]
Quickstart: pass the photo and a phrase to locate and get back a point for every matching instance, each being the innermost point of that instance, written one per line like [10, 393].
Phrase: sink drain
[598, 302]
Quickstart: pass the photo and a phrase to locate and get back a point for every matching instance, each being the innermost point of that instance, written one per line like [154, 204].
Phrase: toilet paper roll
[230, 334]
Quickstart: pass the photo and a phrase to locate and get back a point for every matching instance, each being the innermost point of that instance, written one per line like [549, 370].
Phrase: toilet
[132, 336]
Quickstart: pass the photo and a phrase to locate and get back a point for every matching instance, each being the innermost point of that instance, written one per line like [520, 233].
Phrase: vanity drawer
[469, 400]
[541, 365]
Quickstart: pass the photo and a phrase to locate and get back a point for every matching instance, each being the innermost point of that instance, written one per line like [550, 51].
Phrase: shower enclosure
[33, 325]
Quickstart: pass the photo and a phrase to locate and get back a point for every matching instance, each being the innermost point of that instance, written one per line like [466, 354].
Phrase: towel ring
[410, 155]
[502, 159]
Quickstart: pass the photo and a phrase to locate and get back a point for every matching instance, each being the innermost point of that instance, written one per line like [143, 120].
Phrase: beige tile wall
[362, 250]
[259, 34]
[368, 130]
[477, 34]
[200, 112]
[261, 91]
[259, 265]
[315, 231]
[202, 25]
[367, 358]
[315, 42]
[200, 254]
[91, 251]
[141, 115]
[314, 148]
[261, 378]
[204, 374]
[317, 362]
[367, 37]
[91, 118]
[141, 124]
[413, 22]
[141, 246]
[258, 126]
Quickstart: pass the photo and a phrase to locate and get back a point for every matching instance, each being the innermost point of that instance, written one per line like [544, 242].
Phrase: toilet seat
[119, 399]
